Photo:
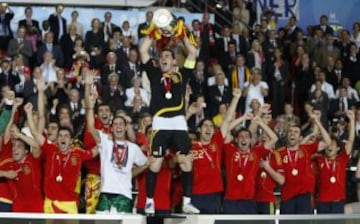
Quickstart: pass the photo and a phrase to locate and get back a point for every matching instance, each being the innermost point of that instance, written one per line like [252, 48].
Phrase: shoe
[150, 208]
[190, 209]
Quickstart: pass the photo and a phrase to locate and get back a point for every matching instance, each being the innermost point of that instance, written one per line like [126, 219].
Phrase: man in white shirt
[325, 86]
[118, 156]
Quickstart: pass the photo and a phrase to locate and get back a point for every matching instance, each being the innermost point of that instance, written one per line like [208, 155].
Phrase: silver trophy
[165, 21]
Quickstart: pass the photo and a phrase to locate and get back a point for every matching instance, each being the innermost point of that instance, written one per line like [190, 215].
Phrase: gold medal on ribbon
[263, 174]
[294, 172]
[168, 95]
[59, 178]
[332, 179]
[240, 177]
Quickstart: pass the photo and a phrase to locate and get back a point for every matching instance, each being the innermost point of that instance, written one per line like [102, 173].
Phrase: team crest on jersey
[285, 159]
[251, 157]
[74, 161]
[301, 154]
[212, 147]
[321, 165]
[26, 169]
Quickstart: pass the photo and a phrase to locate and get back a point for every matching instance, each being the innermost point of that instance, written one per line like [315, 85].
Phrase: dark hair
[27, 8]
[102, 105]
[236, 134]
[203, 121]
[168, 50]
[62, 128]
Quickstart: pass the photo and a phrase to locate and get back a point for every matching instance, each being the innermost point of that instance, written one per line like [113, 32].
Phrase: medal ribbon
[206, 153]
[291, 162]
[243, 165]
[120, 156]
[167, 83]
[329, 168]
[61, 168]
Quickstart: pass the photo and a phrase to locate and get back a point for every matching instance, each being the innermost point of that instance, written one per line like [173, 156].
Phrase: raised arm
[235, 123]
[6, 113]
[350, 141]
[7, 133]
[144, 49]
[35, 147]
[41, 87]
[326, 140]
[224, 128]
[191, 51]
[90, 101]
[273, 138]
[29, 114]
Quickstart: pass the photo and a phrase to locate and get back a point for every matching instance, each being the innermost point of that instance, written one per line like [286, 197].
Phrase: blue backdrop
[340, 12]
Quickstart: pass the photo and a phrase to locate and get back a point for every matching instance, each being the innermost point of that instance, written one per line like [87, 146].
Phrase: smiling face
[119, 128]
[293, 136]
[18, 150]
[104, 113]
[64, 140]
[167, 61]
[207, 130]
[243, 140]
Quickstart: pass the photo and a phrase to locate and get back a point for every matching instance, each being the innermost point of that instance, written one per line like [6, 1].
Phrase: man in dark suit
[324, 26]
[30, 90]
[28, 22]
[6, 15]
[292, 28]
[8, 77]
[132, 68]
[339, 106]
[222, 43]
[112, 66]
[48, 45]
[146, 24]
[57, 23]
[218, 94]
[108, 27]
[20, 46]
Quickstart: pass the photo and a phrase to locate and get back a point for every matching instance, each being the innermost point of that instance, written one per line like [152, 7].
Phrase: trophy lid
[162, 18]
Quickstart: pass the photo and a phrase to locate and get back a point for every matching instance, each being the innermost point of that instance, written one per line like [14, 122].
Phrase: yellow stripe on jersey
[170, 109]
[152, 136]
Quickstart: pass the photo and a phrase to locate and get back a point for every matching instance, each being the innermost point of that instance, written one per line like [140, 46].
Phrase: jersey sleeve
[140, 158]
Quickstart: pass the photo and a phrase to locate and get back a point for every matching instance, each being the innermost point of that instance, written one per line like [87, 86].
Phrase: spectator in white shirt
[352, 94]
[325, 86]
[48, 68]
[255, 89]
[136, 92]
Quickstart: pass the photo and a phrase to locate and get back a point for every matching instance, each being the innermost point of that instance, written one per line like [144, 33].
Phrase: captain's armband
[189, 64]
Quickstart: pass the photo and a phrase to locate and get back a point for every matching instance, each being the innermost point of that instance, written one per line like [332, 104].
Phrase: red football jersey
[62, 171]
[207, 162]
[27, 188]
[264, 186]
[5, 158]
[332, 177]
[241, 169]
[93, 166]
[296, 166]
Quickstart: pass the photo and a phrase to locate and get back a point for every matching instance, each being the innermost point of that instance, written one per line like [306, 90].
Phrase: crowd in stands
[266, 106]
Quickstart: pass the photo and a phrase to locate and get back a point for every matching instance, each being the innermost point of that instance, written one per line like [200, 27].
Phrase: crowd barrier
[27, 218]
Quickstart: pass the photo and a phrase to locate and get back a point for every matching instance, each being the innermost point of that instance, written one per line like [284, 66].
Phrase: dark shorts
[266, 208]
[239, 207]
[207, 203]
[336, 207]
[300, 204]
[161, 140]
